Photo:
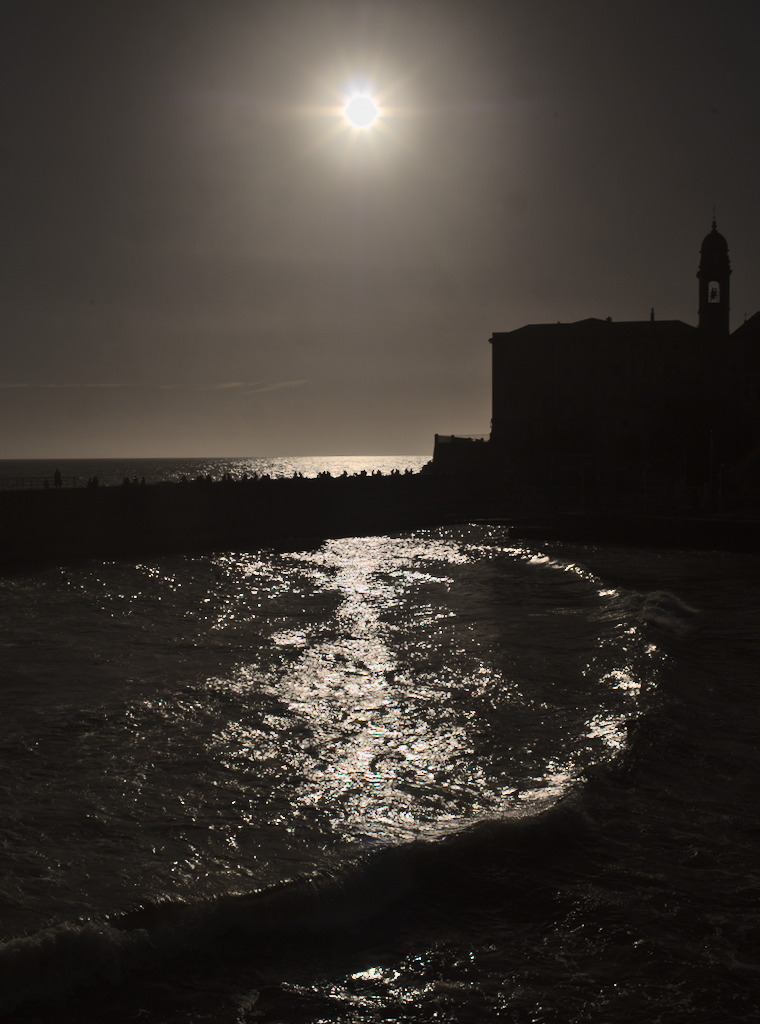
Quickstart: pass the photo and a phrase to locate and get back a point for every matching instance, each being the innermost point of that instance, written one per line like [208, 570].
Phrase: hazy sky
[200, 257]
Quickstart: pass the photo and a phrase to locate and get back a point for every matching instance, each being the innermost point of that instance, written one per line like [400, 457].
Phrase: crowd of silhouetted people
[57, 481]
[248, 478]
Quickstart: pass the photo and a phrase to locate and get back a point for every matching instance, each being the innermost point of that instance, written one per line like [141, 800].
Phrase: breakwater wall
[114, 522]
[699, 532]
[56, 525]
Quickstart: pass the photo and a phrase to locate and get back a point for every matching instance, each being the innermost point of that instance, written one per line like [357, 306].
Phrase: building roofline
[601, 328]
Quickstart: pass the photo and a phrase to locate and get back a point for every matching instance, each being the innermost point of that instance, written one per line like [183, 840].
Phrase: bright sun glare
[361, 110]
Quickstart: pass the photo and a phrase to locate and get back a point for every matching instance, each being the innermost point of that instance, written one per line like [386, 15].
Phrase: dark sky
[200, 256]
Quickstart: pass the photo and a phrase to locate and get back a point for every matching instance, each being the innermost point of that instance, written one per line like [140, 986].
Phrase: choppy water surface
[524, 779]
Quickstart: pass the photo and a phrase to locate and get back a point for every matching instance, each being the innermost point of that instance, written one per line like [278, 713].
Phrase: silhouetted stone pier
[115, 522]
[703, 532]
[56, 525]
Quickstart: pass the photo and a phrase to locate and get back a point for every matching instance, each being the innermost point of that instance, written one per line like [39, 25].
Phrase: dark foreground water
[423, 778]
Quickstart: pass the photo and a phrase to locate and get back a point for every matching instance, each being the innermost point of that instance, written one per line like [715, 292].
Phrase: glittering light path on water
[398, 715]
[217, 723]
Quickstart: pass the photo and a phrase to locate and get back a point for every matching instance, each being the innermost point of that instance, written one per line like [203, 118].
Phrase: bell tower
[714, 272]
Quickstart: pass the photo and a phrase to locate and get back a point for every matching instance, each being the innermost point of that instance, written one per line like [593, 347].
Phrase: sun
[361, 110]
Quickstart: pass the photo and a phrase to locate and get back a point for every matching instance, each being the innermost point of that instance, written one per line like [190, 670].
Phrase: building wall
[605, 389]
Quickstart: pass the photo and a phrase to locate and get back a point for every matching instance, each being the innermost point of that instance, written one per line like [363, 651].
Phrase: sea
[30, 474]
[436, 776]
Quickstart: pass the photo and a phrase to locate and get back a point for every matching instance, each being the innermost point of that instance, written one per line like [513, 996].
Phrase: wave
[357, 899]
[666, 610]
[50, 965]
[532, 854]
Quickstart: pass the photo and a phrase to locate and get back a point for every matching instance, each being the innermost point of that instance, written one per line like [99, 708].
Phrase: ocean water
[32, 473]
[435, 776]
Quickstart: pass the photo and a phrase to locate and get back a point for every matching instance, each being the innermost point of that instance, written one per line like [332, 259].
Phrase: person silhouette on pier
[57, 478]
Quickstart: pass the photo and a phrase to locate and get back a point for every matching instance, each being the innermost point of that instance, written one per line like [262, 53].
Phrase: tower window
[713, 292]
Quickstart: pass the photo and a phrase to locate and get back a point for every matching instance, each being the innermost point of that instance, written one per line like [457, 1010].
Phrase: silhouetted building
[677, 401]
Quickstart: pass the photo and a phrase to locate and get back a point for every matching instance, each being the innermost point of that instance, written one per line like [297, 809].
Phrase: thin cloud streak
[25, 386]
[241, 387]
[277, 386]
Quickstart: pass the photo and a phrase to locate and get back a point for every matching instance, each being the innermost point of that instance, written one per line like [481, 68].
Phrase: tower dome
[714, 244]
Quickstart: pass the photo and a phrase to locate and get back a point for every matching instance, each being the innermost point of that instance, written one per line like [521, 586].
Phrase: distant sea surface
[76, 472]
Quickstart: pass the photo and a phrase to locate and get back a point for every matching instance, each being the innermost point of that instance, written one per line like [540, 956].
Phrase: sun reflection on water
[376, 751]
[410, 707]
